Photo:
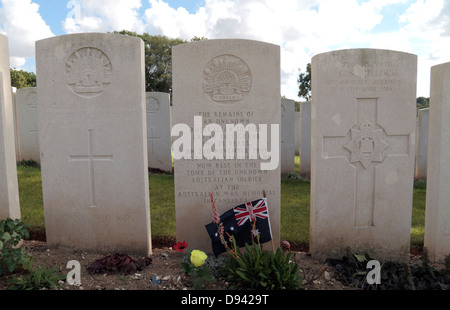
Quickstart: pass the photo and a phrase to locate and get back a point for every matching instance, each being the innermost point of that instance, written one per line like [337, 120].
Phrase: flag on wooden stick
[246, 223]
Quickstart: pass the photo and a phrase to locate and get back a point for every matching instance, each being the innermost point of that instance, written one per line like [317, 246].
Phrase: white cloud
[162, 19]
[103, 16]
[21, 22]
[424, 27]
[302, 28]
[16, 62]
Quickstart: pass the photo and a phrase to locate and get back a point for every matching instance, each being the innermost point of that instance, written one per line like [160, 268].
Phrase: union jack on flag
[237, 222]
[242, 212]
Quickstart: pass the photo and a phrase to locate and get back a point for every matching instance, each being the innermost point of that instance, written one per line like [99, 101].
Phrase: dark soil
[164, 271]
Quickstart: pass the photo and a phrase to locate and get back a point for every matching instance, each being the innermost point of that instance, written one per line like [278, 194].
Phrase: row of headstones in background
[287, 142]
[422, 144]
[297, 133]
[158, 128]
[27, 124]
[158, 131]
[91, 95]
[305, 138]
[303, 141]
[9, 191]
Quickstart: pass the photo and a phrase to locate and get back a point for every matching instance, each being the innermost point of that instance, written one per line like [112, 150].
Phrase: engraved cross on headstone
[368, 144]
[91, 158]
[151, 137]
[36, 132]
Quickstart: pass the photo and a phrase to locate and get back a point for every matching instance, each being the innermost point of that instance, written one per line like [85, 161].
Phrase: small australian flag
[237, 222]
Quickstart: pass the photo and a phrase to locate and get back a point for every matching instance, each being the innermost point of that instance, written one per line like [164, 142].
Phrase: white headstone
[93, 142]
[158, 131]
[27, 119]
[305, 138]
[363, 149]
[225, 82]
[9, 191]
[16, 129]
[437, 214]
[422, 145]
[297, 133]
[287, 146]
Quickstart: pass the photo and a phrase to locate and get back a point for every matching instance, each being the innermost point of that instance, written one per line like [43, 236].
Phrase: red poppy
[180, 246]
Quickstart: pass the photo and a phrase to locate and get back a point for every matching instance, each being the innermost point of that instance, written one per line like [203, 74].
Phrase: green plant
[28, 163]
[258, 269]
[447, 264]
[12, 256]
[216, 264]
[42, 277]
[194, 265]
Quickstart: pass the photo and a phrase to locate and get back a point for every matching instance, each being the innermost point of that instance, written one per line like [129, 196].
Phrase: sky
[302, 28]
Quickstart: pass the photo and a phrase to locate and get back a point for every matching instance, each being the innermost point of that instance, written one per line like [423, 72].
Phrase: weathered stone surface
[158, 131]
[9, 191]
[297, 133]
[27, 123]
[287, 144]
[437, 214]
[93, 142]
[422, 144]
[224, 82]
[305, 138]
[363, 149]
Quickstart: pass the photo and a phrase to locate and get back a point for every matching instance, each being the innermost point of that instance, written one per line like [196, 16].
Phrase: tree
[304, 83]
[21, 79]
[158, 60]
[194, 39]
[422, 102]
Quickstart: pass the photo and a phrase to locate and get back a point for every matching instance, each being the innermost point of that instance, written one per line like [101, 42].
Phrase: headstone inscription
[218, 84]
[363, 148]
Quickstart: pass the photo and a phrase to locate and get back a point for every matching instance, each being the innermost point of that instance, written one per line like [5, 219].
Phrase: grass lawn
[294, 206]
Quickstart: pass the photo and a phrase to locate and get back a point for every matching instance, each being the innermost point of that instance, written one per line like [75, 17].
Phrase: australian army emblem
[227, 79]
[88, 71]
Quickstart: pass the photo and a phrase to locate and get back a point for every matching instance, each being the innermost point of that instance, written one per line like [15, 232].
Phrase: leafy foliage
[158, 60]
[42, 277]
[21, 79]
[263, 270]
[294, 175]
[28, 163]
[422, 102]
[304, 83]
[199, 275]
[351, 270]
[118, 263]
[11, 256]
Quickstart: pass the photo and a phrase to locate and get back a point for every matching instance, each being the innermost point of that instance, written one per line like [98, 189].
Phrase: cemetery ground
[165, 260]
